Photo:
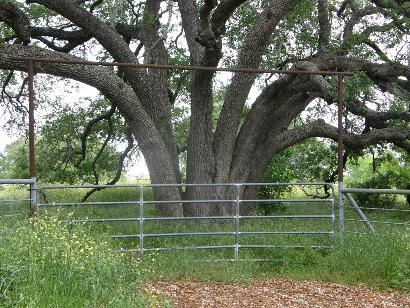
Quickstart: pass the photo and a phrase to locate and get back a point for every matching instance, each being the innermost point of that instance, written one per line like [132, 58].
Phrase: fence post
[237, 222]
[333, 213]
[33, 198]
[141, 220]
[341, 208]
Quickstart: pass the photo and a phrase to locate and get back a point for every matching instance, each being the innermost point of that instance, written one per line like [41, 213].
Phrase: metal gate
[17, 202]
[291, 223]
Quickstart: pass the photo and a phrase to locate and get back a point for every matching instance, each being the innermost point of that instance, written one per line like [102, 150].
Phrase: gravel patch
[275, 293]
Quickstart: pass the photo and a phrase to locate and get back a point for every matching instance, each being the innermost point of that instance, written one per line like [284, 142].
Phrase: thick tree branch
[320, 128]
[190, 24]
[273, 111]
[324, 25]
[353, 20]
[222, 13]
[205, 13]
[250, 56]
[88, 128]
[343, 7]
[101, 151]
[61, 34]
[362, 110]
[16, 19]
[200, 166]
[104, 33]
[373, 70]
[397, 5]
[120, 168]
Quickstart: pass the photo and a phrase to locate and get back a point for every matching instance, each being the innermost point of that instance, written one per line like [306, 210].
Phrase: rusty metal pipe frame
[31, 138]
[178, 67]
[31, 60]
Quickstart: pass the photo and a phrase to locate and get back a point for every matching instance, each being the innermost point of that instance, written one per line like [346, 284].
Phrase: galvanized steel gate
[307, 210]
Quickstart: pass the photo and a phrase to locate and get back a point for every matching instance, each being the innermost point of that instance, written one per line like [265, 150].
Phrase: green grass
[381, 263]
[33, 271]
[44, 263]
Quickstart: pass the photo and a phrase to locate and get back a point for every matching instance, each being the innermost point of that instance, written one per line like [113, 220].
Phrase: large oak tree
[237, 143]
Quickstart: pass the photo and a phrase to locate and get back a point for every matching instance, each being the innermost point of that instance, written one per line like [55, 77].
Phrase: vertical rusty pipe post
[31, 137]
[340, 147]
[340, 150]
[31, 121]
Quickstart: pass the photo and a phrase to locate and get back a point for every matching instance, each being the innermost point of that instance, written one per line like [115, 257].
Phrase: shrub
[374, 200]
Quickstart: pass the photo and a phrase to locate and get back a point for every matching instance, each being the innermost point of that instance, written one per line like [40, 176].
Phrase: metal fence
[13, 204]
[371, 216]
[129, 214]
[304, 217]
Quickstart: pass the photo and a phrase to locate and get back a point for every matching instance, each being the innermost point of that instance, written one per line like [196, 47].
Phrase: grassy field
[45, 262]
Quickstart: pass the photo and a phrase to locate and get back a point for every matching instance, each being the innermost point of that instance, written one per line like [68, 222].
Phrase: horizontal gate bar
[148, 219]
[173, 234]
[69, 204]
[189, 218]
[182, 185]
[380, 209]
[188, 201]
[73, 204]
[287, 233]
[193, 218]
[380, 222]
[288, 216]
[287, 200]
[223, 233]
[287, 246]
[17, 181]
[75, 221]
[16, 200]
[181, 248]
[376, 191]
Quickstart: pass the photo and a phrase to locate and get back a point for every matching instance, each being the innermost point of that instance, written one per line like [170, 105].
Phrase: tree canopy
[234, 140]
[70, 150]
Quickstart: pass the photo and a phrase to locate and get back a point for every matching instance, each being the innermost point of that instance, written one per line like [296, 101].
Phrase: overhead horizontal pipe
[179, 67]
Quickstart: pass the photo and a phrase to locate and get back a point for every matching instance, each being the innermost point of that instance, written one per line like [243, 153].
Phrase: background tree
[73, 148]
[380, 168]
[368, 37]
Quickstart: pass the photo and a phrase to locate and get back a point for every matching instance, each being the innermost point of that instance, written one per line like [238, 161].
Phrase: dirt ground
[275, 293]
